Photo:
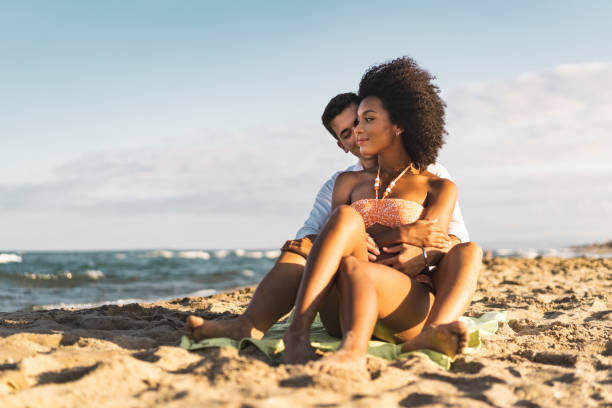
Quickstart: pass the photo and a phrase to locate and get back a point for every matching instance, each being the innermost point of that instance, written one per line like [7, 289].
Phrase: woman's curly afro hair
[413, 103]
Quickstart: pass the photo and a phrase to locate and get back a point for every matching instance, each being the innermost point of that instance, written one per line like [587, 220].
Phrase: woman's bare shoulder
[352, 177]
[439, 184]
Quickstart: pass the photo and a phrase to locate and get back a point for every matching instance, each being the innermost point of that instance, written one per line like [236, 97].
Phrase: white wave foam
[529, 253]
[239, 252]
[94, 274]
[48, 276]
[247, 272]
[161, 254]
[221, 253]
[272, 254]
[201, 293]
[194, 255]
[6, 258]
[118, 302]
[254, 254]
[120, 256]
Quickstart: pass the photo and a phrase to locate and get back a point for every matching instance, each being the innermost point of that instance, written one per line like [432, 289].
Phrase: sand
[555, 350]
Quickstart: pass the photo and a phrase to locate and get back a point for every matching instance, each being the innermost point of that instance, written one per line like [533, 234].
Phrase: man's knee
[296, 250]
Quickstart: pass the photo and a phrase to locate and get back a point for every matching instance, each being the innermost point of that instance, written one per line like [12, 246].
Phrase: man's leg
[273, 298]
[455, 283]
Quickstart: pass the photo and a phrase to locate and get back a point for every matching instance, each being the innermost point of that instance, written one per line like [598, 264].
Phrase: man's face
[343, 126]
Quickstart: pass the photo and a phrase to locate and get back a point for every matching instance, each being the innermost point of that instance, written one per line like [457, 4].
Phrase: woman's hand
[425, 233]
[408, 259]
[373, 250]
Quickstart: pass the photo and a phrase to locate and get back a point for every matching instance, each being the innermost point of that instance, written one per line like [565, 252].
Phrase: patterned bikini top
[390, 212]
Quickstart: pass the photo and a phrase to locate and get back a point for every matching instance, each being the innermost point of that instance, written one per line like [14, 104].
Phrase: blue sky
[194, 124]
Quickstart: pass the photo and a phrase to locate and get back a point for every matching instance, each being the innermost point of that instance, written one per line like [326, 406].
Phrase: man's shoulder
[355, 167]
[439, 170]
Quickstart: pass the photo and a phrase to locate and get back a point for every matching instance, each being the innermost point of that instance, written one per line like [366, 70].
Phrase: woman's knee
[349, 267]
[468, 250]
[346, 215]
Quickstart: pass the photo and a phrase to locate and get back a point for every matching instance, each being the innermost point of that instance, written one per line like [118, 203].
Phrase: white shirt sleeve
[456, 226]
[320, 209]
[322, 206]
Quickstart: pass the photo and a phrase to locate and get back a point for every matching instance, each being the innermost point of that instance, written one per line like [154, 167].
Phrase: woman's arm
[342, 189]
[441, 198]
[431, 229]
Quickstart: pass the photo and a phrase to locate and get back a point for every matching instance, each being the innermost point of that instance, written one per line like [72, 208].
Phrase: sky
[196, 124]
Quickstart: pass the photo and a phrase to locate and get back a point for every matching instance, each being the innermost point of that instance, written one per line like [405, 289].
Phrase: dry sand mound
[555, 350]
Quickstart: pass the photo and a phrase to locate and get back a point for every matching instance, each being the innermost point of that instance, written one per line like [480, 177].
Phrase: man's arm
[456, 227]
[320, 210]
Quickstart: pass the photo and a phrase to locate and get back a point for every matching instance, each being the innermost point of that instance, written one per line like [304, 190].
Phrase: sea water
[48, 280]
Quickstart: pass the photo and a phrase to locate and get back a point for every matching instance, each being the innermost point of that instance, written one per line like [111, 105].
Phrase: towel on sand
[272, 342]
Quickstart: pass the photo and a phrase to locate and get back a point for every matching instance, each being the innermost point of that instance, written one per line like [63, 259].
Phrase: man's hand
[408, 259]
[425, 233]
[373, 250]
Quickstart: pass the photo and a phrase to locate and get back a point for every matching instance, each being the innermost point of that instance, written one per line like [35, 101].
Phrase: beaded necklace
[391, 184]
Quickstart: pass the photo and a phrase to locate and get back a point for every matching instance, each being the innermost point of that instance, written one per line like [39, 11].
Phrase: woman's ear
[397, 130]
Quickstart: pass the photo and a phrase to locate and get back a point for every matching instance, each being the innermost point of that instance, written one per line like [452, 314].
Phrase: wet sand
[555, 350]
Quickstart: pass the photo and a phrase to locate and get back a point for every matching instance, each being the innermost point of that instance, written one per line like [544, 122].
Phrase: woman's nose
[357, 128]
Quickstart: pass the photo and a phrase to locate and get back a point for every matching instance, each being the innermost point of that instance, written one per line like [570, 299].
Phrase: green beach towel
[272, 342]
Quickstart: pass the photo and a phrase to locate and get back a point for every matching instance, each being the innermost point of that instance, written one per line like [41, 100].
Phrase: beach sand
[554, 350]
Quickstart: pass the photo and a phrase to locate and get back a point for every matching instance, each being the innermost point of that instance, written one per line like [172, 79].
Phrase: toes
[191, 324]
[458, 327]
[194, 321]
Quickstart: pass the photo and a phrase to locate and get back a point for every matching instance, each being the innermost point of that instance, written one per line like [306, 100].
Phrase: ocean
[50, 280]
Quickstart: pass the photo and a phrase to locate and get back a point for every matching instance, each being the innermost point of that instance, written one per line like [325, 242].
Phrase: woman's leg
[370, 293]
[455, 281]
[343, 235]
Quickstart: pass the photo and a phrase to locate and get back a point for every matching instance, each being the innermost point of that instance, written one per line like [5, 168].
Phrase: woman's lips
[361, 141]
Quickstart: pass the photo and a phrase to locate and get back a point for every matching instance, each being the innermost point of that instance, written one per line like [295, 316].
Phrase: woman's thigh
[403, 303]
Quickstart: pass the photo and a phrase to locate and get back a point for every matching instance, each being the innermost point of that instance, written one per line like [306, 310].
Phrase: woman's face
[374, 129]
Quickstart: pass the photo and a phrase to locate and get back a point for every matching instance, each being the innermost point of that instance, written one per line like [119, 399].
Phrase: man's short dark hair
[414, 104]
[335, 107]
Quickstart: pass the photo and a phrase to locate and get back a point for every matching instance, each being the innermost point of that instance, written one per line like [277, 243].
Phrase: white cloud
[263, 171]
[532, 154]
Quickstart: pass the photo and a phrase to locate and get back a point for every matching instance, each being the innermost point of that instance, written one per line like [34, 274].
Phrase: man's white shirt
[322, 206]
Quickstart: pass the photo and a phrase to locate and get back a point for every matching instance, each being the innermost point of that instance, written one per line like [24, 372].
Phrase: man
[454, 279]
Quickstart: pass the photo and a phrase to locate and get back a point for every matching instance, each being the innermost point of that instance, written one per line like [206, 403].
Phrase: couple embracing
[387, 255]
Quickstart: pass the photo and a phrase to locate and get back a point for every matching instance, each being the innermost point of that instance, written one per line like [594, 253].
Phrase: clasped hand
[408, 256]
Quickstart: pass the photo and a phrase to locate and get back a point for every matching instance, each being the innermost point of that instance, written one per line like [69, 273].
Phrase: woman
[400, 119]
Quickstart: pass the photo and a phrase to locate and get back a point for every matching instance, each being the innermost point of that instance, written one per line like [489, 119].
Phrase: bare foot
[297, 349]
[341, 359]
[450, 339]
[198, 329]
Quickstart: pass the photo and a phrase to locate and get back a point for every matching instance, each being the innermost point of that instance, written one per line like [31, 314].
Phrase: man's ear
[340, 145]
